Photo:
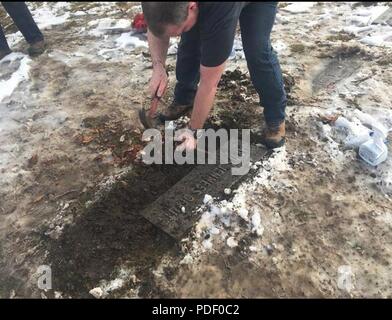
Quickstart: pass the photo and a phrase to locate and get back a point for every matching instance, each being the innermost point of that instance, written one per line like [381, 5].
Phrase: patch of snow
[214, 230]
[243, 213]
[231, 242]
[360, 22]
[357, 30]
[215, 210]
[366, 16]
[207, 244]
[357, 132]
[8, 86]
[14, 38]
[237, 51]
[172, 49]
[79, 13]
[276, 163]
[256, 224]
[207, 199]
[299, 7]
[127, 40]
[46, 16]
[206, 222]
[369, 120]
[279, 46]
[379, 40]
[114, 285]
[105, 8]
[107, 25]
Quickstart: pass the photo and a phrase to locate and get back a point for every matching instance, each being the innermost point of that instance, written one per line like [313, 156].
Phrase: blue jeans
[256, 22]
[23, 19]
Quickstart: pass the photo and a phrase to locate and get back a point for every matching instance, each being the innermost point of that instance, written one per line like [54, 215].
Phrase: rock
[243, 213]
[227, 191]
[269, 249]
[96, 293]
[256, 224]
[187, 259]
[207, 199]
[231, 242]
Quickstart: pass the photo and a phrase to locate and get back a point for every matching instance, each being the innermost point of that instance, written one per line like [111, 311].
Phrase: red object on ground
[139, 24]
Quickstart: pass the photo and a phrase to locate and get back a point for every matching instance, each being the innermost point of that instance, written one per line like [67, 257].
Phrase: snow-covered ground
[313, 208]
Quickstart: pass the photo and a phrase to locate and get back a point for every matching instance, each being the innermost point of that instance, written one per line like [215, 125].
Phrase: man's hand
[159, 81]
[186, 136]
[158, 49]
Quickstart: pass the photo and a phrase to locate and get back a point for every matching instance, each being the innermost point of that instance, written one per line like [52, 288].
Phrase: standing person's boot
[21, 15]
[37, 48]
[175, 111]
[274, 136]
[4, 53]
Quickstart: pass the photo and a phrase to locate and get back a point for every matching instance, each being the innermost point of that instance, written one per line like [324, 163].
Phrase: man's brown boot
[274, 136]
[175, 111]
[4, 53]
[37, 48]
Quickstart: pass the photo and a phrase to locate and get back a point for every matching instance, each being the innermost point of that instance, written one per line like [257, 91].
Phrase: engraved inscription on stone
[167, 212]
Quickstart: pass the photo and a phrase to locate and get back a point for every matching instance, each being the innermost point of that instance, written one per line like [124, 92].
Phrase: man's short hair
[160, 14]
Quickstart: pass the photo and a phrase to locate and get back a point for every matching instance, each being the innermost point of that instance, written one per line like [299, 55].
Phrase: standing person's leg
[256, 21]
[187, 74]
[23, 19]
[188, 67]
[4, 48]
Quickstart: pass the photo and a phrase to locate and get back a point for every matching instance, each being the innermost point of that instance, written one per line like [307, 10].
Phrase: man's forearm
[202, 105]
[158, 49]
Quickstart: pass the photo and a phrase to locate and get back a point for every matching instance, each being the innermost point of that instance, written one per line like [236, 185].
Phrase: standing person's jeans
[23, 19]
[256, 22]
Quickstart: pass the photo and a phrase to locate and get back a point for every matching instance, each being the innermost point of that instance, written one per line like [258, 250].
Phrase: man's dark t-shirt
[217, 23]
